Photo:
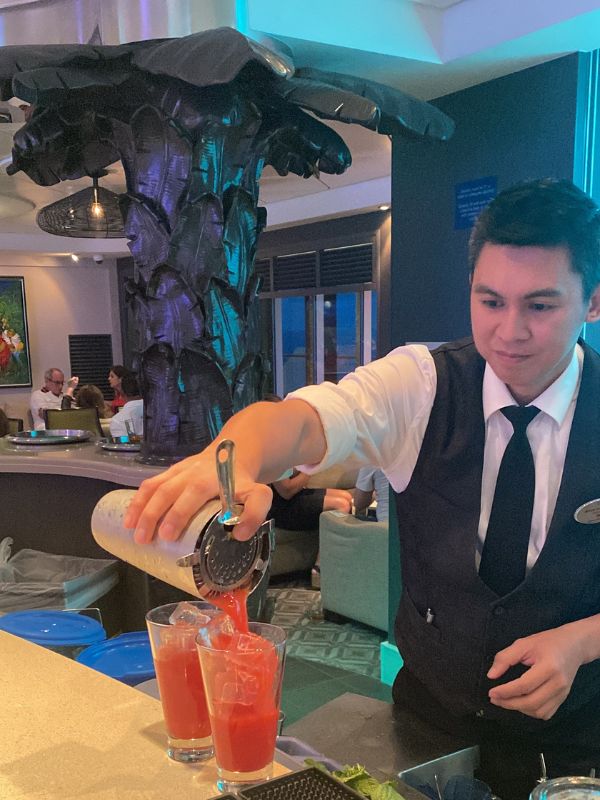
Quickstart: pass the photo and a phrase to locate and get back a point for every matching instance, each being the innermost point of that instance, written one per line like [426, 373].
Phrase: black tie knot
[520, 416]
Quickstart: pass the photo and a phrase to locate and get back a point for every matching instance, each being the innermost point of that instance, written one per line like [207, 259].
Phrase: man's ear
[593, 313]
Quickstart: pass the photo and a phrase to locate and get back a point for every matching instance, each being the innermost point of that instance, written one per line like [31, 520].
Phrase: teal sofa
[354, 568]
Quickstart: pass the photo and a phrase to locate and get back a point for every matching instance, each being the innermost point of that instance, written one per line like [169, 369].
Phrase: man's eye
[491, 303]
[540, 307]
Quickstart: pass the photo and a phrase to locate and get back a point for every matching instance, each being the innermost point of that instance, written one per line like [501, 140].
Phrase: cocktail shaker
[206, 559]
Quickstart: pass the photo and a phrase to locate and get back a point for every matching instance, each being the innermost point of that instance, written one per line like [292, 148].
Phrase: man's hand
[553, 658]
[182, 490]
[268, 438]
[73, 382]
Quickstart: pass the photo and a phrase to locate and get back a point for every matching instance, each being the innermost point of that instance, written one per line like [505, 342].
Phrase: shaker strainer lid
[220, 562]
[224, 563]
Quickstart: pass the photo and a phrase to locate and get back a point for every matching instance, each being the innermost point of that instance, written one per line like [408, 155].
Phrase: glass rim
[202, 604]
[278, 642]
[546, 788]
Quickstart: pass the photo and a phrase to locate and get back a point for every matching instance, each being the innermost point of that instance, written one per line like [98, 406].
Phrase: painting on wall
[15, 362]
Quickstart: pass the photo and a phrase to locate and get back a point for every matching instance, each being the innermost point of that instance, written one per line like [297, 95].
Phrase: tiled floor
[324, 659]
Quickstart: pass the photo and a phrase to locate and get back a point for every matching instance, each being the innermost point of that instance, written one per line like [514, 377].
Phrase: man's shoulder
[461, 352]
[464, 346]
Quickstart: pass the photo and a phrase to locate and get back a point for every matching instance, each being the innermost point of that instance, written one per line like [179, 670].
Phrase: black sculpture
[194, 121]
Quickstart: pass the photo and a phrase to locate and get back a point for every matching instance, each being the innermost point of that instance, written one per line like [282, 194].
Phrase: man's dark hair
[544, 213]
[130, 386]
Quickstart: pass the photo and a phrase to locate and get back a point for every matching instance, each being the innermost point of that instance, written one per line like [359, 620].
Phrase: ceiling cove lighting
[92, 213]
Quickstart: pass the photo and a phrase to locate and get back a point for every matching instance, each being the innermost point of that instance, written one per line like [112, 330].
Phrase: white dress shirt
[373, 479]
[41, 400]
[379, 413]
[132, 411]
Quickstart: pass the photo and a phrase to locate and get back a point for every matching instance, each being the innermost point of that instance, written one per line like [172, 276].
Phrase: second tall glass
[242, 677]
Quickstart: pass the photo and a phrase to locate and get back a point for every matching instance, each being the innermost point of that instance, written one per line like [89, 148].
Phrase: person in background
[132, 411]
[371, 484]
[87, 396]
[3, 423]
[49, 396]
[297, 508]
[115, 376]
[499, 631]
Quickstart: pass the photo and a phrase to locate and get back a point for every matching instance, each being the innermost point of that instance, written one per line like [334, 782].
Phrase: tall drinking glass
[242, 678]
[179, 678]
[567, 789]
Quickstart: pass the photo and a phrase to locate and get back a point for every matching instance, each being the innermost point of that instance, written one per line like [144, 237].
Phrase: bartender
[490, 445]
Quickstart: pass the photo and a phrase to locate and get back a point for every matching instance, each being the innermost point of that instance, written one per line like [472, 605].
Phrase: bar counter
[49, 493]
[70, 732]
[84, 460]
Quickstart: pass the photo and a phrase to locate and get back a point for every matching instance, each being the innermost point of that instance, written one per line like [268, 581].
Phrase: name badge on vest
[588, 513]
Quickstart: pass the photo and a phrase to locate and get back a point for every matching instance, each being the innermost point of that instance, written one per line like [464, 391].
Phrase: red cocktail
[179, 678]
[242, 677]
[182, 691]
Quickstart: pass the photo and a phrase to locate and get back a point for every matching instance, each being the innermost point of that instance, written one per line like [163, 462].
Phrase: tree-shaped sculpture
[194, 121]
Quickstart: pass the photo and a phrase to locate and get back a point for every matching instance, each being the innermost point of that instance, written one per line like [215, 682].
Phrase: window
[321, 309]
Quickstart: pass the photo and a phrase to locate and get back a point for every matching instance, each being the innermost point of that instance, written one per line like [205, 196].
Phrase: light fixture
[92, 213]
[384, 207]
[74, 257]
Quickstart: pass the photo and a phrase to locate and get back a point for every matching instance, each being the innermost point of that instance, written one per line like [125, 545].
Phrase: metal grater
[306, 784]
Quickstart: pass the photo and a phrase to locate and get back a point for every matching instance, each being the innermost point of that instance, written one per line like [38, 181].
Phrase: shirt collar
[554, 401]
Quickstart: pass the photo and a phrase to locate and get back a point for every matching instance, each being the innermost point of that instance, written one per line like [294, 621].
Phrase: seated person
[297, 508]
[115, 375]
[88, 396]
[371, 484]
[49, 396]
[132, 411]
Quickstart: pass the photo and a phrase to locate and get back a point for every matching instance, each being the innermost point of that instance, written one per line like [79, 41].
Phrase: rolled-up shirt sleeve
[377, 414]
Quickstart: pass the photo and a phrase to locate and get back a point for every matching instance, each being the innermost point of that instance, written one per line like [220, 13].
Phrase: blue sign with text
[470, 198]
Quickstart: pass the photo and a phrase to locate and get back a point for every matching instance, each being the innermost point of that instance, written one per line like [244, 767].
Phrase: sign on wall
[470, 198]
[15, 363]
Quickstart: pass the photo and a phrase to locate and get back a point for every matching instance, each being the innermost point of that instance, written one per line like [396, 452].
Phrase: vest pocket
[414, 623]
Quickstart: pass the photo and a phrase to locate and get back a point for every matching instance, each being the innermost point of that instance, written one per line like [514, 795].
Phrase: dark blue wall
[513, 128]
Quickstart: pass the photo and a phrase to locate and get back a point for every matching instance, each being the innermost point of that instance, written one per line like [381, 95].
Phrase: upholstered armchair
[354, 568]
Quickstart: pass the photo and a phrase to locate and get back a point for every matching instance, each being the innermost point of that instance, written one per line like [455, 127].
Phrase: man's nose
[513, 325]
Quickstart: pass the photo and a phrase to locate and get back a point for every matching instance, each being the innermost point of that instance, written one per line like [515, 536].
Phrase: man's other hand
[553, 658]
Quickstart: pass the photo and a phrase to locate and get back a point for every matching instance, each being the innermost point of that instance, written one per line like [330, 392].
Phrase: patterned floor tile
[347, 646]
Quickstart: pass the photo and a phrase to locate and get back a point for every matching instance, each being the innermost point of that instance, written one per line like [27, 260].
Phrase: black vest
[438, 516]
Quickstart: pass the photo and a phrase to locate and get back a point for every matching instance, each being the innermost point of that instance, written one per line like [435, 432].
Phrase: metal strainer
[219, 562]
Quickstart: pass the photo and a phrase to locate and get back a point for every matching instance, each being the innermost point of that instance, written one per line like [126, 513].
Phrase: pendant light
[91, 213]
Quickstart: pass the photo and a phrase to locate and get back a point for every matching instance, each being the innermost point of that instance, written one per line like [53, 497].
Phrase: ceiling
[425, 47]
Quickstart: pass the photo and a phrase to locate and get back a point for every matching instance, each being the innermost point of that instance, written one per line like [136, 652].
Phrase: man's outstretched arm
[269, 438]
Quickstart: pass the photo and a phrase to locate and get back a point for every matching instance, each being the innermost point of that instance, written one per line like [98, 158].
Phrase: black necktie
[504, 556]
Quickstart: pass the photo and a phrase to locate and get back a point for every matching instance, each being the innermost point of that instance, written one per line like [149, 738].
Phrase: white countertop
[70, 732]
[87, 460]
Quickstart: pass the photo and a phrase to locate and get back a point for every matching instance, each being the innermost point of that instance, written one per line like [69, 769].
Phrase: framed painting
[15, 362]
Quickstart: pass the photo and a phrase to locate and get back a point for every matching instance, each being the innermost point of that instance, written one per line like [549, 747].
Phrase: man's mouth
[511, 358]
